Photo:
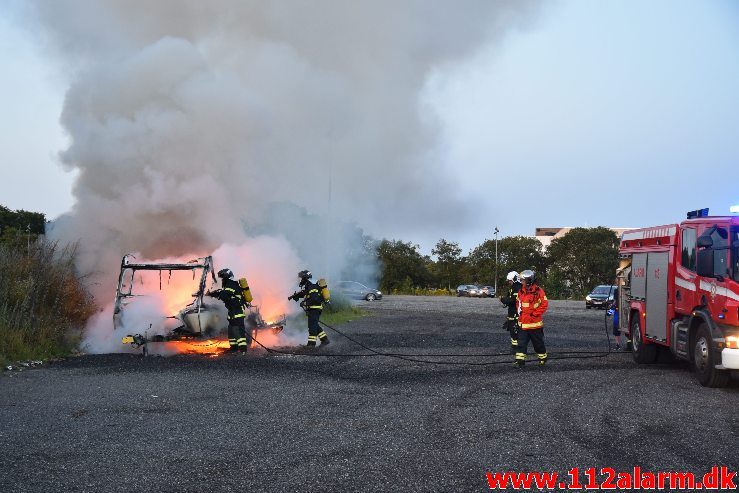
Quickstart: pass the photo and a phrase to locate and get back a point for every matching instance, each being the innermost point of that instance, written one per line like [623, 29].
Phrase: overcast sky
[595, 113]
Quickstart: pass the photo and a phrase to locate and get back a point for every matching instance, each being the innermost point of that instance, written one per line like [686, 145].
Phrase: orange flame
[173, 291]
[212, 347]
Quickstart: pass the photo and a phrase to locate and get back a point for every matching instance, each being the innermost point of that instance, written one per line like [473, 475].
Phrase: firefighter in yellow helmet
[532, 303]
[233, 296]
[314, 295]
[510, 300]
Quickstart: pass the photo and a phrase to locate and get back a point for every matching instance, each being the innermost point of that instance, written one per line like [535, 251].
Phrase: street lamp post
[496, 260]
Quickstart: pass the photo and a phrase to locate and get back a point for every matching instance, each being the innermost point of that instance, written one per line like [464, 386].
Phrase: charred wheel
[704, 360]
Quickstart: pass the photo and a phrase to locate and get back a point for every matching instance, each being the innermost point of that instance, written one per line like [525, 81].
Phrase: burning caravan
[197, 320]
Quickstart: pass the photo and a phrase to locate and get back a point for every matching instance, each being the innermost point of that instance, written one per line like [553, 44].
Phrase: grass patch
[343, 316]
[341, 310]
[41, 299]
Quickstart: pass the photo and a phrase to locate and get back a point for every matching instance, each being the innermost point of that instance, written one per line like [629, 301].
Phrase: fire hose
[414, 357]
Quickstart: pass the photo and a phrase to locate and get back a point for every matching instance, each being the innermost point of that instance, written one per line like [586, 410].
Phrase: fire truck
[679, 294]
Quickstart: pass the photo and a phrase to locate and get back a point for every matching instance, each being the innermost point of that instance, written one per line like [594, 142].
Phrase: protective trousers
[237, 337]
[536, 336]
[511, 325]
[314, 329]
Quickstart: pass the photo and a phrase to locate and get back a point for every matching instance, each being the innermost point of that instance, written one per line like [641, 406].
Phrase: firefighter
[532, 303]
[511, 300]
[313, 295]
[232, 295]
[613, 311]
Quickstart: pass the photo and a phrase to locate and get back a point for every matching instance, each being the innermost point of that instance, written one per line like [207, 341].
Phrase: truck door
[712, 287]
[685, 276]
[657, 269]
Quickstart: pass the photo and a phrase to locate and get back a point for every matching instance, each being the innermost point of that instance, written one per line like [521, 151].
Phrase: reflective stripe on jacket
[311, 294]
[231, 296]
[313, 300]
[532, 303]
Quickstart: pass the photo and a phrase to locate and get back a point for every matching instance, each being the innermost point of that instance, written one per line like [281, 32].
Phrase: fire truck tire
[643, 352]
[704, 360]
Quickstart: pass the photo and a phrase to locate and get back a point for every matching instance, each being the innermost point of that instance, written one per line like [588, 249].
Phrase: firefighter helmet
[529, 276]
[225, 274]
[304, 275]
[512, 276]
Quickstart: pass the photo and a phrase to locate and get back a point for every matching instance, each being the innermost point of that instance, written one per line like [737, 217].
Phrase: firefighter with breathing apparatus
[532, 303]
[510, 300]
[313, 295]
[236, 296]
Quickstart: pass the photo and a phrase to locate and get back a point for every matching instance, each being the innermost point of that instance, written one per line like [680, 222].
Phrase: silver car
[357, 290]
[469, 290]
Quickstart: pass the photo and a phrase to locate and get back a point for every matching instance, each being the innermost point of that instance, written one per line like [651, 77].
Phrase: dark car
[488, 291]
[600, 297]
[469, 290]
[357, 290]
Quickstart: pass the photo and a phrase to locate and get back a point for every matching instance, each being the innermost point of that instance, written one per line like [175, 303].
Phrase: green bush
[41, 299]
[419, 291]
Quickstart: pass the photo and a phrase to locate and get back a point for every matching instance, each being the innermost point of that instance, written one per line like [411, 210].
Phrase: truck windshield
[734, 239]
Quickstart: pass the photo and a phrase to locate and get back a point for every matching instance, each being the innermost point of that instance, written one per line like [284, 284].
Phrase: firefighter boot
[242, 344]
[514, 340]
[520, 360]
[311, 342]
[324, 338]
[542, 359]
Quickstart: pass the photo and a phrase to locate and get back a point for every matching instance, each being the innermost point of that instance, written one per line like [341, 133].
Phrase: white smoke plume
[190, 121]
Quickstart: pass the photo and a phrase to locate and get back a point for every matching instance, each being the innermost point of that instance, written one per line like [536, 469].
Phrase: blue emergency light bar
[698, 213]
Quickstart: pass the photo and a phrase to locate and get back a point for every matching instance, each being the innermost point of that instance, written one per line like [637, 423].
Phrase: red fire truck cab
[679, 289]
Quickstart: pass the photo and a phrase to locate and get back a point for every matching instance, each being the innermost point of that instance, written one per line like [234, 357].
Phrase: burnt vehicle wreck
[203, 318]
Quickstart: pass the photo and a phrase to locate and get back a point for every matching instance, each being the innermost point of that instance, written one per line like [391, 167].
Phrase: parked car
[488, 291]
[601, 296]
[469, 290]
[357, 290]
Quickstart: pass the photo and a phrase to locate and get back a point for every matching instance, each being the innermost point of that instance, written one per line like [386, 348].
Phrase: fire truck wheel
[643, 353]
[704, 361]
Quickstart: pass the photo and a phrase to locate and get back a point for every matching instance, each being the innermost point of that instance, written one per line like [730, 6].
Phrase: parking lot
[357, 422]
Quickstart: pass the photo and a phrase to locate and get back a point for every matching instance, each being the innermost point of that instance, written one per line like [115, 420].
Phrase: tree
[580, 260]
[24, 221]
[20, 227]
[514, 253]
[449, 262]
[402, 265]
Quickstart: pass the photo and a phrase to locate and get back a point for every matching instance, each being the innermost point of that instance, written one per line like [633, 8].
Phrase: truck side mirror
[704, 266]
[705, 242]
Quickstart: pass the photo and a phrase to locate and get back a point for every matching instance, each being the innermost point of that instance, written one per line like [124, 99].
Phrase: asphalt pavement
[343, 419]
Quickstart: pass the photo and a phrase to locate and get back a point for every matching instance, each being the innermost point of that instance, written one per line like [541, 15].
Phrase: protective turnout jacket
[311, 294]
[231, 295]
[511, 300]
[532, 303]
